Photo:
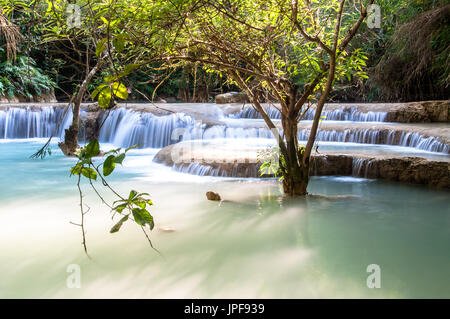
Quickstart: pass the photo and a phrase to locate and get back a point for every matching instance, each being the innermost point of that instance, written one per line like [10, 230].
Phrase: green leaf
[117, 226]
[111, 78]
[109, 165]
[120, 208]
[143, 217]
[115, 151]
[120, 90]
[132, 195]
[129, 68]
[119, 42]
[76, 170]
[104, 98]
[97, 90]
[92, 149]
[89, 172]
[140, 203]
[119, 159]
[100, 47]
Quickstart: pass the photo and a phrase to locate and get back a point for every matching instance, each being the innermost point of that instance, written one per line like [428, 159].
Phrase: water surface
[255, 245]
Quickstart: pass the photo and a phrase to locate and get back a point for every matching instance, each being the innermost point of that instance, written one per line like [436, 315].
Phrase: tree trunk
[296, 171]
[70, 144]
[295, 188]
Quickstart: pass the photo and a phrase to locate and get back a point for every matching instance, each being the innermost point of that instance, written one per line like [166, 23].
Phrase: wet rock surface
[90, 122]
[421, 112]
[213, 196]
[414, 170]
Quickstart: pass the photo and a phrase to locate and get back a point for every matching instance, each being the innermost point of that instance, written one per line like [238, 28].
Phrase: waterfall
[198, 169]
[365, 136]
[125, 128]
[417, 140]
[361, 167]
[344, 114]
[249, 112]
[230, 170]
[349, 114]
[29, 123]
[374, 136]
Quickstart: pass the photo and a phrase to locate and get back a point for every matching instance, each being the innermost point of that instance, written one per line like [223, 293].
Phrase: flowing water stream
[256, 244]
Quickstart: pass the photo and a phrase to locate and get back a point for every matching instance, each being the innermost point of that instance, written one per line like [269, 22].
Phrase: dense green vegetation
[407, 60]
[22, 79]
[408, 55]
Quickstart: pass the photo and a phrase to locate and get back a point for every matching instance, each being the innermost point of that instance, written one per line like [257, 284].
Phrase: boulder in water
[231, 97]
[213, 196]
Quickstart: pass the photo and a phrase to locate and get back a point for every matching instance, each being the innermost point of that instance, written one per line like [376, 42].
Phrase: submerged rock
[213, 196]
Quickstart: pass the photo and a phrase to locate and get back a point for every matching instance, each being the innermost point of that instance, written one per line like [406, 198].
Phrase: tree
[288, 51]
[102, 36]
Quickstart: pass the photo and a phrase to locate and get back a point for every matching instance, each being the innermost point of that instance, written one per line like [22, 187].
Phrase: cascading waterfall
[361, 167]
[417, 140]
[348, 114]
[125, 128]
[206, 170]
[373, 136]
[250, 112]
[344, 114]
[199, 169]
[31, 123]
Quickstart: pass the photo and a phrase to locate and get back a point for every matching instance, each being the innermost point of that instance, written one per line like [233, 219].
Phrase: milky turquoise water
[256, 245]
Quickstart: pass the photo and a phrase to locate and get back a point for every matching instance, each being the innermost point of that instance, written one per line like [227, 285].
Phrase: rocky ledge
[413, 170]
[428, 111]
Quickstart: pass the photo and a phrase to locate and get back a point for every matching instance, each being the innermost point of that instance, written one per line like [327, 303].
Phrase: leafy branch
[134, 207]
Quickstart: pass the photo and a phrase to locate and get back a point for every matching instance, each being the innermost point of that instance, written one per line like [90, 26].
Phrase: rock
[420, 112]
[92, 108]
[89, 128]
[171, 99]
[213, 196]
[90, 122]
[412, 170]
[65, 149]
[231, 97]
